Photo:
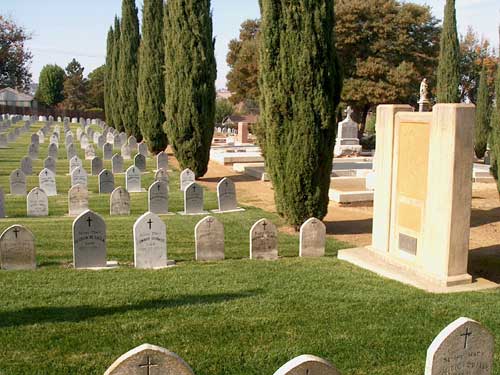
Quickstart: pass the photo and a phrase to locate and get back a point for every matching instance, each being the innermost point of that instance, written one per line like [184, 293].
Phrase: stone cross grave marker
[18, 183]
[50, 163]
[158, 198]
[27, 166]
[133, 180]
[150, 242]
[106, 182]
[307, 365]
[464, 347]
[263, 240]
[37, 203]
[70, 151]
[162, 161]
[161, 175]
[96, 166]
[74, 162]
[89, 241]
[78, 200]
[79, 177]
[226, 196]
[209, 239]
[89, 152]
[140, 162]
[312, 238]
[117, 164]
[126, 152]
[193, 200]
[53, 150]
[47, 182]
[119, 202]
[187, 177]
[107, 151]
[149, 360]
[17, 249]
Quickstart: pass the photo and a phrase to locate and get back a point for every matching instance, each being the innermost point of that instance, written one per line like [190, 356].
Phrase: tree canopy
[51, 85]
[75, 94]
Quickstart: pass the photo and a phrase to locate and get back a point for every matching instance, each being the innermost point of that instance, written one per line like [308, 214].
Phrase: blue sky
[63, 29]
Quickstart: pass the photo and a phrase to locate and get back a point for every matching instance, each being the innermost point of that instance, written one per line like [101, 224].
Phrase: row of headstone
[465, 347]
[46, 181]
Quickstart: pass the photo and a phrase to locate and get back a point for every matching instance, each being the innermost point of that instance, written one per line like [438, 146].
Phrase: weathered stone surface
[78, 200]
[53, 150]
[33, 150]
[133, 180]
[18, 183]
[307, 365]
[158, 198]
[465, 347]
[107, 151]
[106, 182]
[50, 163]
[35, 138]
[119, 202]
[161, 175]
[47, 182]
[17, 249]
[142, 148]
[226, 195]
[312, 238]
[79, 177]
[96, 166]
[193, 199]
[74, 162]
[84, 141]
[117, 164]
[132, 143]
[27, 166]
[150, 242]
[70, 151]
[162, 161]
[2, 203]
[140, 162]
[263, 240]
[89, 241]
[209, 239]
[187, 177]
[37, 203]
[150, 360]
[126, 152]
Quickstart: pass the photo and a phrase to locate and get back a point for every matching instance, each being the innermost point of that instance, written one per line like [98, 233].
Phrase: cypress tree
[190, 73]
[107, 77]
[495, 132]
[151, 91]
[128, 71]
[482, 128]
[448, 74]
[115, 100]
[300, 85]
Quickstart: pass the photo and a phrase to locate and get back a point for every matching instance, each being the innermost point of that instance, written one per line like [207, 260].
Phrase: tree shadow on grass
[75, 314]
[484, 217]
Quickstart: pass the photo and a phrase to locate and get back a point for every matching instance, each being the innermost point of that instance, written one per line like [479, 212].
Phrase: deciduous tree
[51, 85]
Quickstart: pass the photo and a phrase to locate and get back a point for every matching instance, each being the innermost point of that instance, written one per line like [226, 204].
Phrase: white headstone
[37, 203]
[125, 152]
[150, 242]
[78, 200]
[33, 150]
[264, 240]
[187, 178]
[133, 180]
[18, 183]
[193, 199]
[307, 365]
[226, 196]
[132, 142]
[89, 241]
[119, 202]
[17, 249]
[106, 182]
[79, 177]
[47, 182]
[74, 162]
[312, 238]
[84, 141]
[158, 198]
[209, 239]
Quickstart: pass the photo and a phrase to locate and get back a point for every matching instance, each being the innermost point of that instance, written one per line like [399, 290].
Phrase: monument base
[373, 261]
[227, 212]
[184, 213]
[109, 266]
[347, 150]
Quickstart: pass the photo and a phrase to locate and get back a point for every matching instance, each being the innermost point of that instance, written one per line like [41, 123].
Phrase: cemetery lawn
[231, 317]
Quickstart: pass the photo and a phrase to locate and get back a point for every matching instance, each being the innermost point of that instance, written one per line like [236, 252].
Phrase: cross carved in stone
[150, 222]
[89, 220]
[349, 112]
[265, 224]
[210, 222]
[148, 366]
[466, 336]
[16, 231]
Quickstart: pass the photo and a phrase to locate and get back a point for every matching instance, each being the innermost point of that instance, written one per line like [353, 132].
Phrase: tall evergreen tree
[151, 91]
[495, 131]
[482, 129]
[115, 99]
[128, 71]
[300, 89]
[190, 73]
[448, 74]
[107, 76]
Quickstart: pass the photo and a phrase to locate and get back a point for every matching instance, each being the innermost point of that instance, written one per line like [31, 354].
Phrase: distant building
[235, 119]
[223, 94]
[13, 98]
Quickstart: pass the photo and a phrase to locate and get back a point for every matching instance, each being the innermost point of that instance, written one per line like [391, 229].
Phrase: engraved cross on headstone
[148, 365]
[16, 231]
[264, 224]
[150, 222]
[466, 336]
[194, 188]
[89, 220]
[210, 221]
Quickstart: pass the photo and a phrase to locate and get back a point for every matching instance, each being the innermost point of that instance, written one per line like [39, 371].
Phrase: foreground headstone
[193, 200]
[117, 164]
[140, 162]
[150, 242]
[133, 180]
[226, 196]
[17, 249]
[307, 365]
[312, 238]
[89, 241]
[18, 183]
[162, 161]
[79, 177]
[209, 239]
[78, 200]
[37, 203]
[158, 198]
[150, 360]
[106, 182]
[465, 347]
[119, 202]
[187, 178]
[264, 240]
[47, 182]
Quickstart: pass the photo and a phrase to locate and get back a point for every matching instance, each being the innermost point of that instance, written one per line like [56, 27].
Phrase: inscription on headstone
[158, 198]
[89, 241]
[150, 242]
[106, 182]
[37, 203]
[133, 180]
[18, 183]
[209, 239]
[47, 182]
[17, 249]
[312, 238]
[264, 240]
[78, 200]
[187, 178]
[119, 202]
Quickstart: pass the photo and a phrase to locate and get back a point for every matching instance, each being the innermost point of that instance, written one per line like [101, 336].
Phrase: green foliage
[151, 91]
[242, 59]
[482, 127]
[223, 109]
[371, 124]
[75, 87]
[300, 85]
[114, 86]
[128, 70]
[448, 74]
[51, 85]
[190, 74]
[107, 77]
[95, 90]
[495, 132]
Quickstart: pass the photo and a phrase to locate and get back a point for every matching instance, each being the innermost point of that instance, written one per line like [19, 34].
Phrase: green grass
[232, 317]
